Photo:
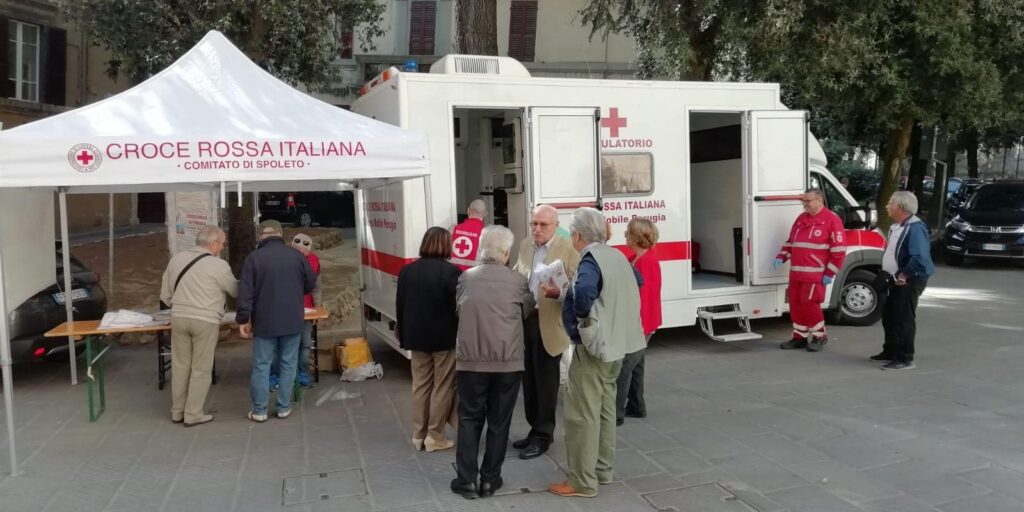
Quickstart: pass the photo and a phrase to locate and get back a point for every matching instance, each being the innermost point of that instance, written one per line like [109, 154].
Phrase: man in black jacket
[270, 310]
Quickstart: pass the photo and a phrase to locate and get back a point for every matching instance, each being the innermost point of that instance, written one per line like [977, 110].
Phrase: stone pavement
[733, 428]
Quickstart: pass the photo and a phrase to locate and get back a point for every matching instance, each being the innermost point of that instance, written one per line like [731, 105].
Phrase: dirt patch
[139, 263]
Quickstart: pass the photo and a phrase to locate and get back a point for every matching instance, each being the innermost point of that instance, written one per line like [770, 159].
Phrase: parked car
[45, 310]
[989, 225]
[961, 196]
[309, 208]
[928, 190]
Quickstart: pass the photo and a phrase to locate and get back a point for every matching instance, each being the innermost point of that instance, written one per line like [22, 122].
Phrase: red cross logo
[613, 122]
[463, 246]
[85, 157]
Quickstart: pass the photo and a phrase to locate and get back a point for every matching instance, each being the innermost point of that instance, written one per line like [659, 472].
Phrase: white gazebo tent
[213, 119]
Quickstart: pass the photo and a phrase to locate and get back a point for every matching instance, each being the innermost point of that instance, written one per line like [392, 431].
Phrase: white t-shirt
[889, 263]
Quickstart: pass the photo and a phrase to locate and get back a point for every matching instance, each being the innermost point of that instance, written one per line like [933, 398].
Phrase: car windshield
[952, 186]
[991, 199]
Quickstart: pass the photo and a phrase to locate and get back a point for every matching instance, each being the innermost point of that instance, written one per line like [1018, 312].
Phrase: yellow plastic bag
[356, 353]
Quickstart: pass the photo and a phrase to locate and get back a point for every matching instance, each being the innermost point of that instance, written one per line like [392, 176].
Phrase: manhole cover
[699, 497]
[323, 486]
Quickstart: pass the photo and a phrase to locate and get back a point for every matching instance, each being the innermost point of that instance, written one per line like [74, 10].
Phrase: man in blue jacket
[274, 280]
[907, 264]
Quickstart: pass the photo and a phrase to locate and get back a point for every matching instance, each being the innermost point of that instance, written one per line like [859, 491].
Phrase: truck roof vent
[479, 65]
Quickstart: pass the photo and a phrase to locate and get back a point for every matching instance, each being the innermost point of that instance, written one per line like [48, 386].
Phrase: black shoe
[881, 356]
[817, 344]
[466, 490]
[532, 452]
[487, 489]
[899, 365]
[635, 414]
[522, 443]
[793, 344]
[620, 422]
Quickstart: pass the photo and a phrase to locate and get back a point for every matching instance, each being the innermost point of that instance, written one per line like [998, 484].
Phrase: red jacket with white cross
[816, 247]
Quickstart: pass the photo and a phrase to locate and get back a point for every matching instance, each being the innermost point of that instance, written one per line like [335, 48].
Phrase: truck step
[721, 315]
[739, 336]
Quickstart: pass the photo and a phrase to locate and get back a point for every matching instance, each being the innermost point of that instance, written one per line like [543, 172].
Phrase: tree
[680, 39]
[294, 40]
[885, 65]
[477, 27]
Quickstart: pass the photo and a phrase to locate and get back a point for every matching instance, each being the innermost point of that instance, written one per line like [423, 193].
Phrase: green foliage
[294, 40]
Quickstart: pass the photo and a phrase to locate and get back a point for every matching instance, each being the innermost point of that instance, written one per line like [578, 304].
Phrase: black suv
[308, 208]
[45, 310]
[989, 225]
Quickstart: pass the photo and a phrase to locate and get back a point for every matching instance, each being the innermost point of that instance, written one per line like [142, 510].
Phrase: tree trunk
[477, 27]
[971, 145]
[896, 150]
[918, 166]
[241, 230]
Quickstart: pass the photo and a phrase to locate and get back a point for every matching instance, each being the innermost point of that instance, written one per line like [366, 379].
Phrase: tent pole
[66, 253]
[5, 368]
[110, 252]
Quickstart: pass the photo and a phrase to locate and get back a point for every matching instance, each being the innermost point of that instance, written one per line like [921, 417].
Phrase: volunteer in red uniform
[466, 236]
[815, 249]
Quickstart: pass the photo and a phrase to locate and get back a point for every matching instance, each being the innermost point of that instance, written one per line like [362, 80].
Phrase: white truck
[719, 167]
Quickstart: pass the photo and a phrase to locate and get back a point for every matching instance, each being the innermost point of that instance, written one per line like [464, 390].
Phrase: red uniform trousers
[805, 300]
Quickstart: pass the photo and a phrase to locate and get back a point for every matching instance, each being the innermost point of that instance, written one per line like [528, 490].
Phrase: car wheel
[305, 219]
[859, 303]
[953, 259]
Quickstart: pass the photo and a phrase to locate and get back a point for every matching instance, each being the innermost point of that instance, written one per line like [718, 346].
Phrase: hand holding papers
[553, 280]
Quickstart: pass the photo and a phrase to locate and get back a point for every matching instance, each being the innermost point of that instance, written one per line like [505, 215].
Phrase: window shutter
[54, 64]
[346, 44]
[421, 28]
[522, 30]
[6, 86]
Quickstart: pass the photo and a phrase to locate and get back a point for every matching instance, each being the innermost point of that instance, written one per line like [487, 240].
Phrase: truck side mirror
[858, 217]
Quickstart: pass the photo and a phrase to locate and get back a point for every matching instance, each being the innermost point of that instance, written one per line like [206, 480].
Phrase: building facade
[547, 36]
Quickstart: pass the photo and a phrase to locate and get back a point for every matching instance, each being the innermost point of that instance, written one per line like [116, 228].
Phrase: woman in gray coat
[492, 301]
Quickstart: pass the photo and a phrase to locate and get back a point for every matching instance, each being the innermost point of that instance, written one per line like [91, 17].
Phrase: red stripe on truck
[666, 251]
[384, 262]
[865, 238]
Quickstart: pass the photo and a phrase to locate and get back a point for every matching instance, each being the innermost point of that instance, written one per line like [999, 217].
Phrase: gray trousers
[629, 387]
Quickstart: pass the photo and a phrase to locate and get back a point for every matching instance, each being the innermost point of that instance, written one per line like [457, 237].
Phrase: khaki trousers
[433, 393]
[590, 420]
[193, 343]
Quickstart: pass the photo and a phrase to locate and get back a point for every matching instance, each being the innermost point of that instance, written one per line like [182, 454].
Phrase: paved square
[732, 427]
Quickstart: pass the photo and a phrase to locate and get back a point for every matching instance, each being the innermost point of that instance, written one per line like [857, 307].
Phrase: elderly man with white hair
[602, 317]
[492, 301]
[194, 285]
[546, 339]
[906, 267]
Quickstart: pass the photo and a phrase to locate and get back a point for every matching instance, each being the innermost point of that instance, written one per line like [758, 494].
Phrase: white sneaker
[284, 414]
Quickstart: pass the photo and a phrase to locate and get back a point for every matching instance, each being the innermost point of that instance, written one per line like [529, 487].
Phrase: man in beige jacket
[546, 338]
[194, 285]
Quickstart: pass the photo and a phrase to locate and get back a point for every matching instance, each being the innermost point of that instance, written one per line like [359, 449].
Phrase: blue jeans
[264, 351]
[304, 347]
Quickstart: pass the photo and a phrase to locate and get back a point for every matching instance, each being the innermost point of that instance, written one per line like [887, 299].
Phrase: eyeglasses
[301, 241]
[540, 224]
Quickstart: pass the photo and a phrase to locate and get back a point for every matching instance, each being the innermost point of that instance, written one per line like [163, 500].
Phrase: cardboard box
[326, 360]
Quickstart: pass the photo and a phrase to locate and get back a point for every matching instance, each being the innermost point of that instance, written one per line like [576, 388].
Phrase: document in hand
[555, 271]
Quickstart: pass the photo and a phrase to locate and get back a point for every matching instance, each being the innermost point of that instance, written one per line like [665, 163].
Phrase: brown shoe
[566, 490]
[435, 446]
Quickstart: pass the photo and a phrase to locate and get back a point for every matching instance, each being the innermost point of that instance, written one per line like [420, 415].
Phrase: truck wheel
[953, 260]
[859, 302]
[305, 220]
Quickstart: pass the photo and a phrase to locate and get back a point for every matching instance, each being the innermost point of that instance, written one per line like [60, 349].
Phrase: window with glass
[627, 173]
[834, 199]
[23, 59]
[422, 21]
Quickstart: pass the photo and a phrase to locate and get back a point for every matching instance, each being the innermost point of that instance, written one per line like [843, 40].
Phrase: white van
[718, 166]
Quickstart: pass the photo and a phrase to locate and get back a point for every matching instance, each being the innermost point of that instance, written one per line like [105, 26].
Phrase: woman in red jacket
[641, 237]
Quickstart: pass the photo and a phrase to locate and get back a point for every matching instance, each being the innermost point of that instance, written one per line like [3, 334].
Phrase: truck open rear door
[565, 161]
[776, 174]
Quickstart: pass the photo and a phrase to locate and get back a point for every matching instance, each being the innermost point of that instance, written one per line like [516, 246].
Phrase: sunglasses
[300, 241]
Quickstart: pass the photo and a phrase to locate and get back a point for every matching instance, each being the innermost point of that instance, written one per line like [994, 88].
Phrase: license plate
[273, 203]
[76, 294]
[993, 247]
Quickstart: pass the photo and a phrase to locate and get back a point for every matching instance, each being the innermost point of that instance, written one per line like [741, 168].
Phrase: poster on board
[188, 212]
